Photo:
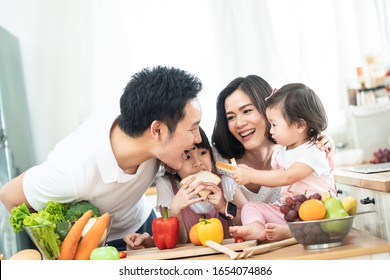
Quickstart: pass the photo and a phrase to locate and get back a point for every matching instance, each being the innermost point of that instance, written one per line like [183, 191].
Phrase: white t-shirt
[321, 180]
[82, 167]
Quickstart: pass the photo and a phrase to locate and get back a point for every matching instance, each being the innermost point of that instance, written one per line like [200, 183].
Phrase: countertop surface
[356, 244]
[374, 181]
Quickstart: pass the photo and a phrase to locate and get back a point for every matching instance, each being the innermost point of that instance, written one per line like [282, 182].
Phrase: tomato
[105, 253]
[238, 239]
[122, 254]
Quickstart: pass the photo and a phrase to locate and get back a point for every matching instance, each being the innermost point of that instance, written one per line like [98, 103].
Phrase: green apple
[334, 209]
[105, 253]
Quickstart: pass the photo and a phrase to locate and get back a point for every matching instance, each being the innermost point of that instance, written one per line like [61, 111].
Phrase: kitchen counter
[357, 244]
[374, 181]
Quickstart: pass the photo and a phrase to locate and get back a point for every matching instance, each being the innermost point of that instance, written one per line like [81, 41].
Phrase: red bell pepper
[165, 230]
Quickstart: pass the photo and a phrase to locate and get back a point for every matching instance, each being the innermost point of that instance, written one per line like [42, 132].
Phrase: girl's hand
[185, 197]
[326, 143]
[138, 241]
[215, 197]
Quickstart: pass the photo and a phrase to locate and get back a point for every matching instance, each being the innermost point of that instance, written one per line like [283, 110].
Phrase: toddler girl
[297, 117]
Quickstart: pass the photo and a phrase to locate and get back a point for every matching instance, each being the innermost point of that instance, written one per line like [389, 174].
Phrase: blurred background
[63, 60]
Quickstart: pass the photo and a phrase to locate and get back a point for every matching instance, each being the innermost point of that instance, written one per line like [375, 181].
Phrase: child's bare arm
[271, 178]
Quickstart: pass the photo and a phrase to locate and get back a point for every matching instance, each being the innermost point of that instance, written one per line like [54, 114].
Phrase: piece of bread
[225, 168]
[27, 254]
[202, 176]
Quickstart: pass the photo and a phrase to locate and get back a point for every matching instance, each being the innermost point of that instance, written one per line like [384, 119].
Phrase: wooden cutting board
[184, 250]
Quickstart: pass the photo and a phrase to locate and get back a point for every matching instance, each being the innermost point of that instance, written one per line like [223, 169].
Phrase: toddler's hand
[242, 174]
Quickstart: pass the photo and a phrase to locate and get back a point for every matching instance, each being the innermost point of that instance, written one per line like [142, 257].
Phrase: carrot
[71, 241]
[91, 239]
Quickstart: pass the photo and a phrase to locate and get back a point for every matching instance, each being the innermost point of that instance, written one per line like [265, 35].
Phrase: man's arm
[12, 194]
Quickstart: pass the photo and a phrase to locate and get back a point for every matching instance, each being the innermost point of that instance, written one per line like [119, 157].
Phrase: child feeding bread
[192, 193]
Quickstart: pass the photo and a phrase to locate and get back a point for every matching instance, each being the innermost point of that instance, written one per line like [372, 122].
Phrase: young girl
[297, 117]
[184, 202]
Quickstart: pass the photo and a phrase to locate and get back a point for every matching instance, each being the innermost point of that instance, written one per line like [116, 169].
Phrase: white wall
[49, 37]
[79, 55]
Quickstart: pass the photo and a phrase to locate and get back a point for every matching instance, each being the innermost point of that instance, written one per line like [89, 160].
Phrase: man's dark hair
[159, 94]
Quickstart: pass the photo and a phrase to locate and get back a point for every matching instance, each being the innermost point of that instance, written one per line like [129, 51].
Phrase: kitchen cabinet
[373, 194]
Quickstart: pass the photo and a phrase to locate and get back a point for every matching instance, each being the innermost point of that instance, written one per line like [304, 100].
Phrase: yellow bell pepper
[209, 229]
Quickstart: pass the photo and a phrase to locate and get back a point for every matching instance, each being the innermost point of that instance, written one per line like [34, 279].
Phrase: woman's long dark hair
[257, 89]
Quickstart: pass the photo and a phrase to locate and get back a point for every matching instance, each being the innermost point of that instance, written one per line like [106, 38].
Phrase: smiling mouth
[247, 133]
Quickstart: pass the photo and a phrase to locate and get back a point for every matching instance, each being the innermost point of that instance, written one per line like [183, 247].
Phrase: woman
[241, 131]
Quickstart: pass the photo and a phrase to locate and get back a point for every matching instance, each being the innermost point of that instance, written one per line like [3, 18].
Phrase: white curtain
[79, 55]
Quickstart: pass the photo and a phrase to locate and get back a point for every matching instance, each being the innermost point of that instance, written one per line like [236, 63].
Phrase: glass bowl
[320, 234]
[42, 236]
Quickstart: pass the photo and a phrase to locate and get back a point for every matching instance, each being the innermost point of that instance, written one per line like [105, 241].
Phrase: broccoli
[79, 208]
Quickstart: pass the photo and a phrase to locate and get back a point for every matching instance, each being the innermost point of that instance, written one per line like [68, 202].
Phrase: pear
[350, 205]
[334, 209]
[324, 196]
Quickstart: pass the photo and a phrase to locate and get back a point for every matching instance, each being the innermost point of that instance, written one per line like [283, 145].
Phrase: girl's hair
[224, 141]
[299, 102]
[205, 144]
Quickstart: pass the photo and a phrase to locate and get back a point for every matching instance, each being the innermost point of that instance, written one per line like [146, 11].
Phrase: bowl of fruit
[319, 221]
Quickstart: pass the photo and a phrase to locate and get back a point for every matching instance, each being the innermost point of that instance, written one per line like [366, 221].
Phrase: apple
[105, 253]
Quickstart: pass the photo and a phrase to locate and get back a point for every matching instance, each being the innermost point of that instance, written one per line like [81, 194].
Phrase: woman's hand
[326, 143]
[138, 241]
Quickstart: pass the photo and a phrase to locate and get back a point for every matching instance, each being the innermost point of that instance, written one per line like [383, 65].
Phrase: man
[113, 157]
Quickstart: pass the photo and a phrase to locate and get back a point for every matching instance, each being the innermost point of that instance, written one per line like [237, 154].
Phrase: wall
[78, 55]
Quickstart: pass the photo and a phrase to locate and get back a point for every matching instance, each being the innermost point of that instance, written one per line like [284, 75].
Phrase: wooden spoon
[264, 248]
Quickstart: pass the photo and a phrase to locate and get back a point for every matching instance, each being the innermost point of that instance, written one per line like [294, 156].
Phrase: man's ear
[156, 129]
